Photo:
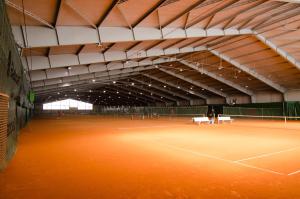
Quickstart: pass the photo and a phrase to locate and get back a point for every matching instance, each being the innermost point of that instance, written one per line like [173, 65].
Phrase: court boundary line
[267, 154]
[220, 159]
[294, 173]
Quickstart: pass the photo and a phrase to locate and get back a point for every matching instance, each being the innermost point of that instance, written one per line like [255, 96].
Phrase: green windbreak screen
[258, 109]
[292, 108]
[252, 111]
[190, 110]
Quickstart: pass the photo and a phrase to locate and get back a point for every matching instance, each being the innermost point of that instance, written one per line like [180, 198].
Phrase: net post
[285, 119]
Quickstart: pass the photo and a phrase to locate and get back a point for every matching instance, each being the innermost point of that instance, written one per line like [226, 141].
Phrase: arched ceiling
[185, 49]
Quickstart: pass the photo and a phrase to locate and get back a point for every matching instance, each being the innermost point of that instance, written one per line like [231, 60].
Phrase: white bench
[224, 118]
[200, 119]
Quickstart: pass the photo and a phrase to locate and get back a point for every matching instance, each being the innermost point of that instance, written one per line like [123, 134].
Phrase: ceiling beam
[73, 60]
[106, 73]
[219, 9]
[290, 1]
[138, 90]
[267, 22]
[85, 18]
[125, 94]
[248, 70]
[236, 14]
[162, 89]
[28, 13]
[118, 99]
[244, 22]
[184, 89]
[158, 93]
[286, 56]
[106, 13]
[79, 50]
[184, 12]
[80, 84]
[39, 36]
[57, 11]
[216, 77]
[148, 13]
[133, 95]
[196, 83]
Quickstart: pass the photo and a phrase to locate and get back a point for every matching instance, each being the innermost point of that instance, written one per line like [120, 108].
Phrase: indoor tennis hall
[152, 99]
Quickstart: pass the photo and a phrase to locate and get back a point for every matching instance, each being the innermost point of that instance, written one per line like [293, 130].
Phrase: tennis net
[266, 118]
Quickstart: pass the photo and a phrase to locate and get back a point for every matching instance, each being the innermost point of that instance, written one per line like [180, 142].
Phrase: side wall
[14, 83]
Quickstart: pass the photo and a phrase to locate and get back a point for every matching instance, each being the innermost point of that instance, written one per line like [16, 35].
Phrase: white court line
[293, 173]
[267, 154]
[221, 159]
[146, 127]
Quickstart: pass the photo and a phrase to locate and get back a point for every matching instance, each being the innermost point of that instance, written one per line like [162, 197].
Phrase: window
[67, 104]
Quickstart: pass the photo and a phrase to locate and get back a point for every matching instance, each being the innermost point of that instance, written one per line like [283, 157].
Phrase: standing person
[212, 119]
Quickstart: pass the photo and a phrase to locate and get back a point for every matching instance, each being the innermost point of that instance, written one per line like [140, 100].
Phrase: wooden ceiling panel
[68, 49]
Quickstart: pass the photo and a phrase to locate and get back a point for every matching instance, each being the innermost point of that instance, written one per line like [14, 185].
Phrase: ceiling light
[75, 90]
[203, 89]
[129, 93]
[58, 93]
[165, 86]
[104, 91]
[178, 86]
[221, 89]
[149, 85]
[132, 84]
[117, 92]
[181, 70]
[114, 82]
[90, 91]
[66, 84]
[141, 93]
[161, 97]
[93, 80]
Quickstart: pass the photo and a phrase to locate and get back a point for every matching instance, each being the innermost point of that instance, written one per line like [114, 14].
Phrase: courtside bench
[224, 119]
[200, 120]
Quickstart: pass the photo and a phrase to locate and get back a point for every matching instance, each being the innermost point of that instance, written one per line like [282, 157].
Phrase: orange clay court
[149, 99]
[102, 157]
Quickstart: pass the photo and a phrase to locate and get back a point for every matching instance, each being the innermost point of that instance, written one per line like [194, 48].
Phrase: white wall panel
[37, 75]
[56, 72]
[63, 60]
[88, 58]
[76, 70]
[68, 35]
